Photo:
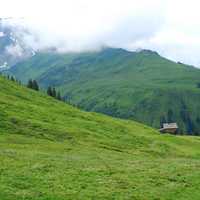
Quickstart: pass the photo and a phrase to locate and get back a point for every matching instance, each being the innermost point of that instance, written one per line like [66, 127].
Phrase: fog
[172, 28]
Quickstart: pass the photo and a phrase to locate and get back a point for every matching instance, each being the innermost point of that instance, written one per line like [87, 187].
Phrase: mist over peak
[75, 26]
[87, 26]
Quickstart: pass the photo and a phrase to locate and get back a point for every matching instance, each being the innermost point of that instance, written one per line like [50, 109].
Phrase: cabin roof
[170, 125]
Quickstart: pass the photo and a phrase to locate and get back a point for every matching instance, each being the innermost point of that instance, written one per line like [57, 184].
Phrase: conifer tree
[49, 91]
[19, 82]
[35, 85]
[12, 78]
[170, 116]
[30, 84]
[162, 120]
[54, 93]
[59, 96]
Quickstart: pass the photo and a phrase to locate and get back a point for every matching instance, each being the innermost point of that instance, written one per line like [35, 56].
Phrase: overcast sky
[171, 27]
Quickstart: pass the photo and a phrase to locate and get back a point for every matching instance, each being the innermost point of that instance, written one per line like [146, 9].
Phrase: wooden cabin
[169, 128]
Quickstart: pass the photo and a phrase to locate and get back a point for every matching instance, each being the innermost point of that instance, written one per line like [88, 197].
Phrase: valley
[141, 86]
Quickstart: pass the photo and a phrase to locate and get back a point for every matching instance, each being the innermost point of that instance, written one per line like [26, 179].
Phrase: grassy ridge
[49, 150]
[136, 85]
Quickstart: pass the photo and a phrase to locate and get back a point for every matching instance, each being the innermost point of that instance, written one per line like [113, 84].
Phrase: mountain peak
[148, 52]
[121, 50]
[112, 49]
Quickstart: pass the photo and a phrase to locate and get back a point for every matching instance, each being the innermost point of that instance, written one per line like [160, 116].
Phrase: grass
[52, 151]
[142, 86]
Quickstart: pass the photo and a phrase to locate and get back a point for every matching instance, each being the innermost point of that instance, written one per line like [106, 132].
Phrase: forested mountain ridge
[136, 85]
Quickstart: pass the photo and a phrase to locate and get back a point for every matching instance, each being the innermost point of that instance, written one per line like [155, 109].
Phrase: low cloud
[171, 28]
[1, 34]
[15, 50]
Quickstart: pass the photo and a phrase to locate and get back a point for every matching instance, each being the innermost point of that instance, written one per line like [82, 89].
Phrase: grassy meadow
[52, 151]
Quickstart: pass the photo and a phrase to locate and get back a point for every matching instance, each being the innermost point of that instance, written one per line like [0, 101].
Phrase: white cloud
[170, 27]
[15, 50]
[1, 34]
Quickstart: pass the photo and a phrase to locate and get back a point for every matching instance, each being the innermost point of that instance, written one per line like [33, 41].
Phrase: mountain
[51, 150]
[12, 46]
[134, 85]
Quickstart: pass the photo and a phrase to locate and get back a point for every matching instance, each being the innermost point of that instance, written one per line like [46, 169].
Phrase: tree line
[33, 84]
[11, 78]
[51, 91]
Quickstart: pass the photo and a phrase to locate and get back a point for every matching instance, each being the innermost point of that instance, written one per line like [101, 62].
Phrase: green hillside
[52, 151]
[136, 85]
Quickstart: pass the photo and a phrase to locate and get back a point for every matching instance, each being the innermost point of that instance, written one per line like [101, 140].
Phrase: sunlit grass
[52, 151]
